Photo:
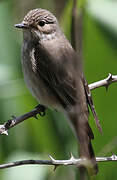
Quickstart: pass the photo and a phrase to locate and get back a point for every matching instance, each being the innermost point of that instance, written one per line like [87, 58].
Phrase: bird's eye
[42, 23]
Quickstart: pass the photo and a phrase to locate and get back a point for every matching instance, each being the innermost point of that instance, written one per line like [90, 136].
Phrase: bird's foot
[41, 108]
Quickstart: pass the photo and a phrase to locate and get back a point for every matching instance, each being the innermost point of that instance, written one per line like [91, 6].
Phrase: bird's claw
[41, 109]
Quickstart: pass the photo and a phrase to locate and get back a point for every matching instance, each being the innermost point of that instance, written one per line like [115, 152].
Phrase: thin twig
[105, 82]
[40, 109]
[72, 161]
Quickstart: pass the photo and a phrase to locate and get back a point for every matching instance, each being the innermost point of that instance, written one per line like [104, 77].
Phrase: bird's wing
[62, 78]
[58, 75]
[90, 102]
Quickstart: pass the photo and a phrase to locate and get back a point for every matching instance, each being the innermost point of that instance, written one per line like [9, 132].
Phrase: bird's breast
[34, 82]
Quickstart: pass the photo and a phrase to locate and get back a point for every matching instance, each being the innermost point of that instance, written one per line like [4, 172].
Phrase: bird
[53, 73]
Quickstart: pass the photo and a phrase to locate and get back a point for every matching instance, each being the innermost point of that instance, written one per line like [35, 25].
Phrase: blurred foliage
[51, 134]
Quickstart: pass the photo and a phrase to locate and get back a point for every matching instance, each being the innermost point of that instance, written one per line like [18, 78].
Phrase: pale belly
[35, 84]
[38, 89]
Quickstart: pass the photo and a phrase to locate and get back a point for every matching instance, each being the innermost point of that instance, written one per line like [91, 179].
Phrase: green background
[36, 139]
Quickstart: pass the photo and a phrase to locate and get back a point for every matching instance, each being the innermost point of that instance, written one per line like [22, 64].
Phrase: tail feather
[85, 135]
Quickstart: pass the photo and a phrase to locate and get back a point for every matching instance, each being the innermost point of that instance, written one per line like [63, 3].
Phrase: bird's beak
[21, 25]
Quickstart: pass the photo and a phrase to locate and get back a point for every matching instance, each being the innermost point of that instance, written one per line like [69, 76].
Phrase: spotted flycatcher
[53, 74]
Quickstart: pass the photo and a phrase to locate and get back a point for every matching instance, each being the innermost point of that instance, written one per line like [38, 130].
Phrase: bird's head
[41, 23]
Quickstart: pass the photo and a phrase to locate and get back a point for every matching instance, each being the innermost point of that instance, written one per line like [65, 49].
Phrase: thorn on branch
[109, 80]
[106, 86]
[71, 157]
[53, 162]
[52, 159]
[110, 77]
[114, 157]
[55, 167]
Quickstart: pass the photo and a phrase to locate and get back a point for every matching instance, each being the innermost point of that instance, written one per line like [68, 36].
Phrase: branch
[105, 82]
[72, 161]
[41, 109]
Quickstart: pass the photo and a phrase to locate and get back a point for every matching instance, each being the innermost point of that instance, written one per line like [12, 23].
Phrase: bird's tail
[85, 135]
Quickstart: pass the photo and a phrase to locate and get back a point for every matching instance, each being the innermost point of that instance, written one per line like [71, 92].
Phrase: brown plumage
[53, 73]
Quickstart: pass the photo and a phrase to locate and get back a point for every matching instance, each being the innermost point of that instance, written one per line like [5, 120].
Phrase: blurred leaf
[105, 12]
[11, 88]
[6, 73]
[64, 20]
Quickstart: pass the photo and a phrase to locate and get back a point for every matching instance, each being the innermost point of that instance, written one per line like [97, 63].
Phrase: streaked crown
[41, 23]
[36, 16]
